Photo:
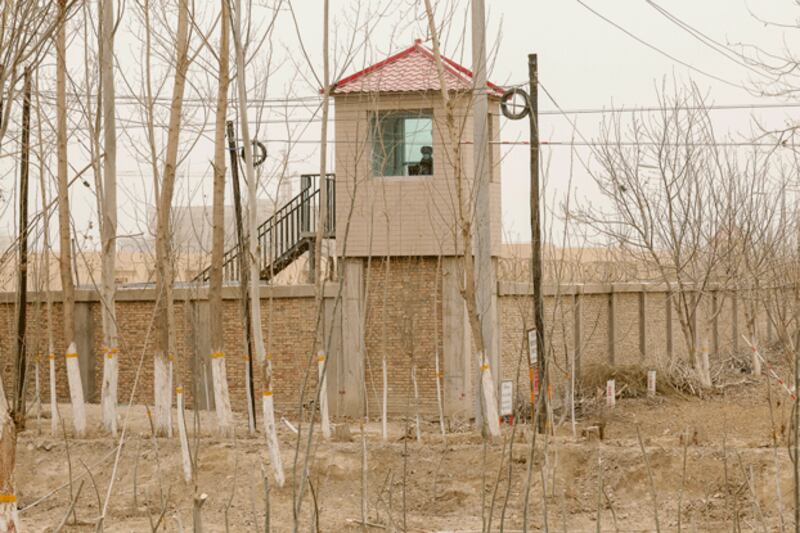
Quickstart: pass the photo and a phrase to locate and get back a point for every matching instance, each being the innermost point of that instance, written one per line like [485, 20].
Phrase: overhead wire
[706, 40]
[659, 50]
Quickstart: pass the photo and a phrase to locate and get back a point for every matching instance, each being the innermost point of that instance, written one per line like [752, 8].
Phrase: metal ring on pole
[510, 111]
[258, 147]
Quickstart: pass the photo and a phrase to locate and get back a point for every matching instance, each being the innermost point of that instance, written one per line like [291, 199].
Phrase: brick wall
[403, 321]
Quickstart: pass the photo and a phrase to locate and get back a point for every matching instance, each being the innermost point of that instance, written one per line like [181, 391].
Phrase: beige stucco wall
[410, 215]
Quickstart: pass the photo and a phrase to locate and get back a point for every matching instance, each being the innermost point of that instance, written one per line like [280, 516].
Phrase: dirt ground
[730, 474]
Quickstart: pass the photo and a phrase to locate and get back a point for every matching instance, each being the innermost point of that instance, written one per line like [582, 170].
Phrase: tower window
[402, 143]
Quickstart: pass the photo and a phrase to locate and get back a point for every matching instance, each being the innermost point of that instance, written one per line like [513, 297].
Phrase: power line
[659, 50]
[706, 40]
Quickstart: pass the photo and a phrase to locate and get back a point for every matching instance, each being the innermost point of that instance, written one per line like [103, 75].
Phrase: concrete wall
[617, 324]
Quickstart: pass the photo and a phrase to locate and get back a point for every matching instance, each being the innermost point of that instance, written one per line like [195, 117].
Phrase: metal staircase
[288, 233]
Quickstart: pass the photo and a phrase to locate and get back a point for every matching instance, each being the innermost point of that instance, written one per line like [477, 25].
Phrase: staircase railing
[285, 234]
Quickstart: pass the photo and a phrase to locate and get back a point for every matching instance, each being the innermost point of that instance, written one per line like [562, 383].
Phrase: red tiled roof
[412, 70]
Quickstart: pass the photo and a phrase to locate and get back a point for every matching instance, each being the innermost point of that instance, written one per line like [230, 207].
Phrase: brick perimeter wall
[406, 325]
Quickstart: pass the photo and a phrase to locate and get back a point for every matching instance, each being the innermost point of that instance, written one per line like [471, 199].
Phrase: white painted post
[651, 383]
[416, 402]
[611, 393]
[186, 457]
[385, 400]
[323, 396]
[53, 397]
[76, 391]
[756, 362]
[506, 398]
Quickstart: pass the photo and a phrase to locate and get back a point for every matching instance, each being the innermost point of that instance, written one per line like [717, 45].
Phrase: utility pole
[485, 290]
[244, 275]
[536, 238]
[20, 348]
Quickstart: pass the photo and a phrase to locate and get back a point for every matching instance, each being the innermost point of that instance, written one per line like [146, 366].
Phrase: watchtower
[398, 226]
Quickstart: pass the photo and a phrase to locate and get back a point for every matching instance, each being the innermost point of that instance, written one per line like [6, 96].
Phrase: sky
[585, 63]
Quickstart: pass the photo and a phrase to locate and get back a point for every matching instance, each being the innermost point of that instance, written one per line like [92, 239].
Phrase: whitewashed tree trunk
[109, 390]
[53, 397]
[108, 227]
[186, 458]
[324, 420]
[164, 312]
[465, 213]
[271, 434]
[219, 372]
[252, 224]
[489, 395]
[76, 391]
[163, 396]
[222, 402]
[64, 234]
[9, 519]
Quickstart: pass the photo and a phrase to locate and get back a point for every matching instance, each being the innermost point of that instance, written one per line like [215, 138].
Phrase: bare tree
[253, 252]
[64, 228]
[221, 398]
[164, 252]
[669, 191]
[108, 225]
[464, 217]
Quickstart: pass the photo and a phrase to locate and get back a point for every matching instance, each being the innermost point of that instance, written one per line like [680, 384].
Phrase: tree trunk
[108, 228]
[20, 344]
[464, 213]
[9, 521]
[323, 217]
[65, 242]
[221, 398]
[54, 425]
[75, 390]
[253, 252]
[162, 362]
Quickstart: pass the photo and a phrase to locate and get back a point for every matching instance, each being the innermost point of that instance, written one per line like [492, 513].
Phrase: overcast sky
[585, 63]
